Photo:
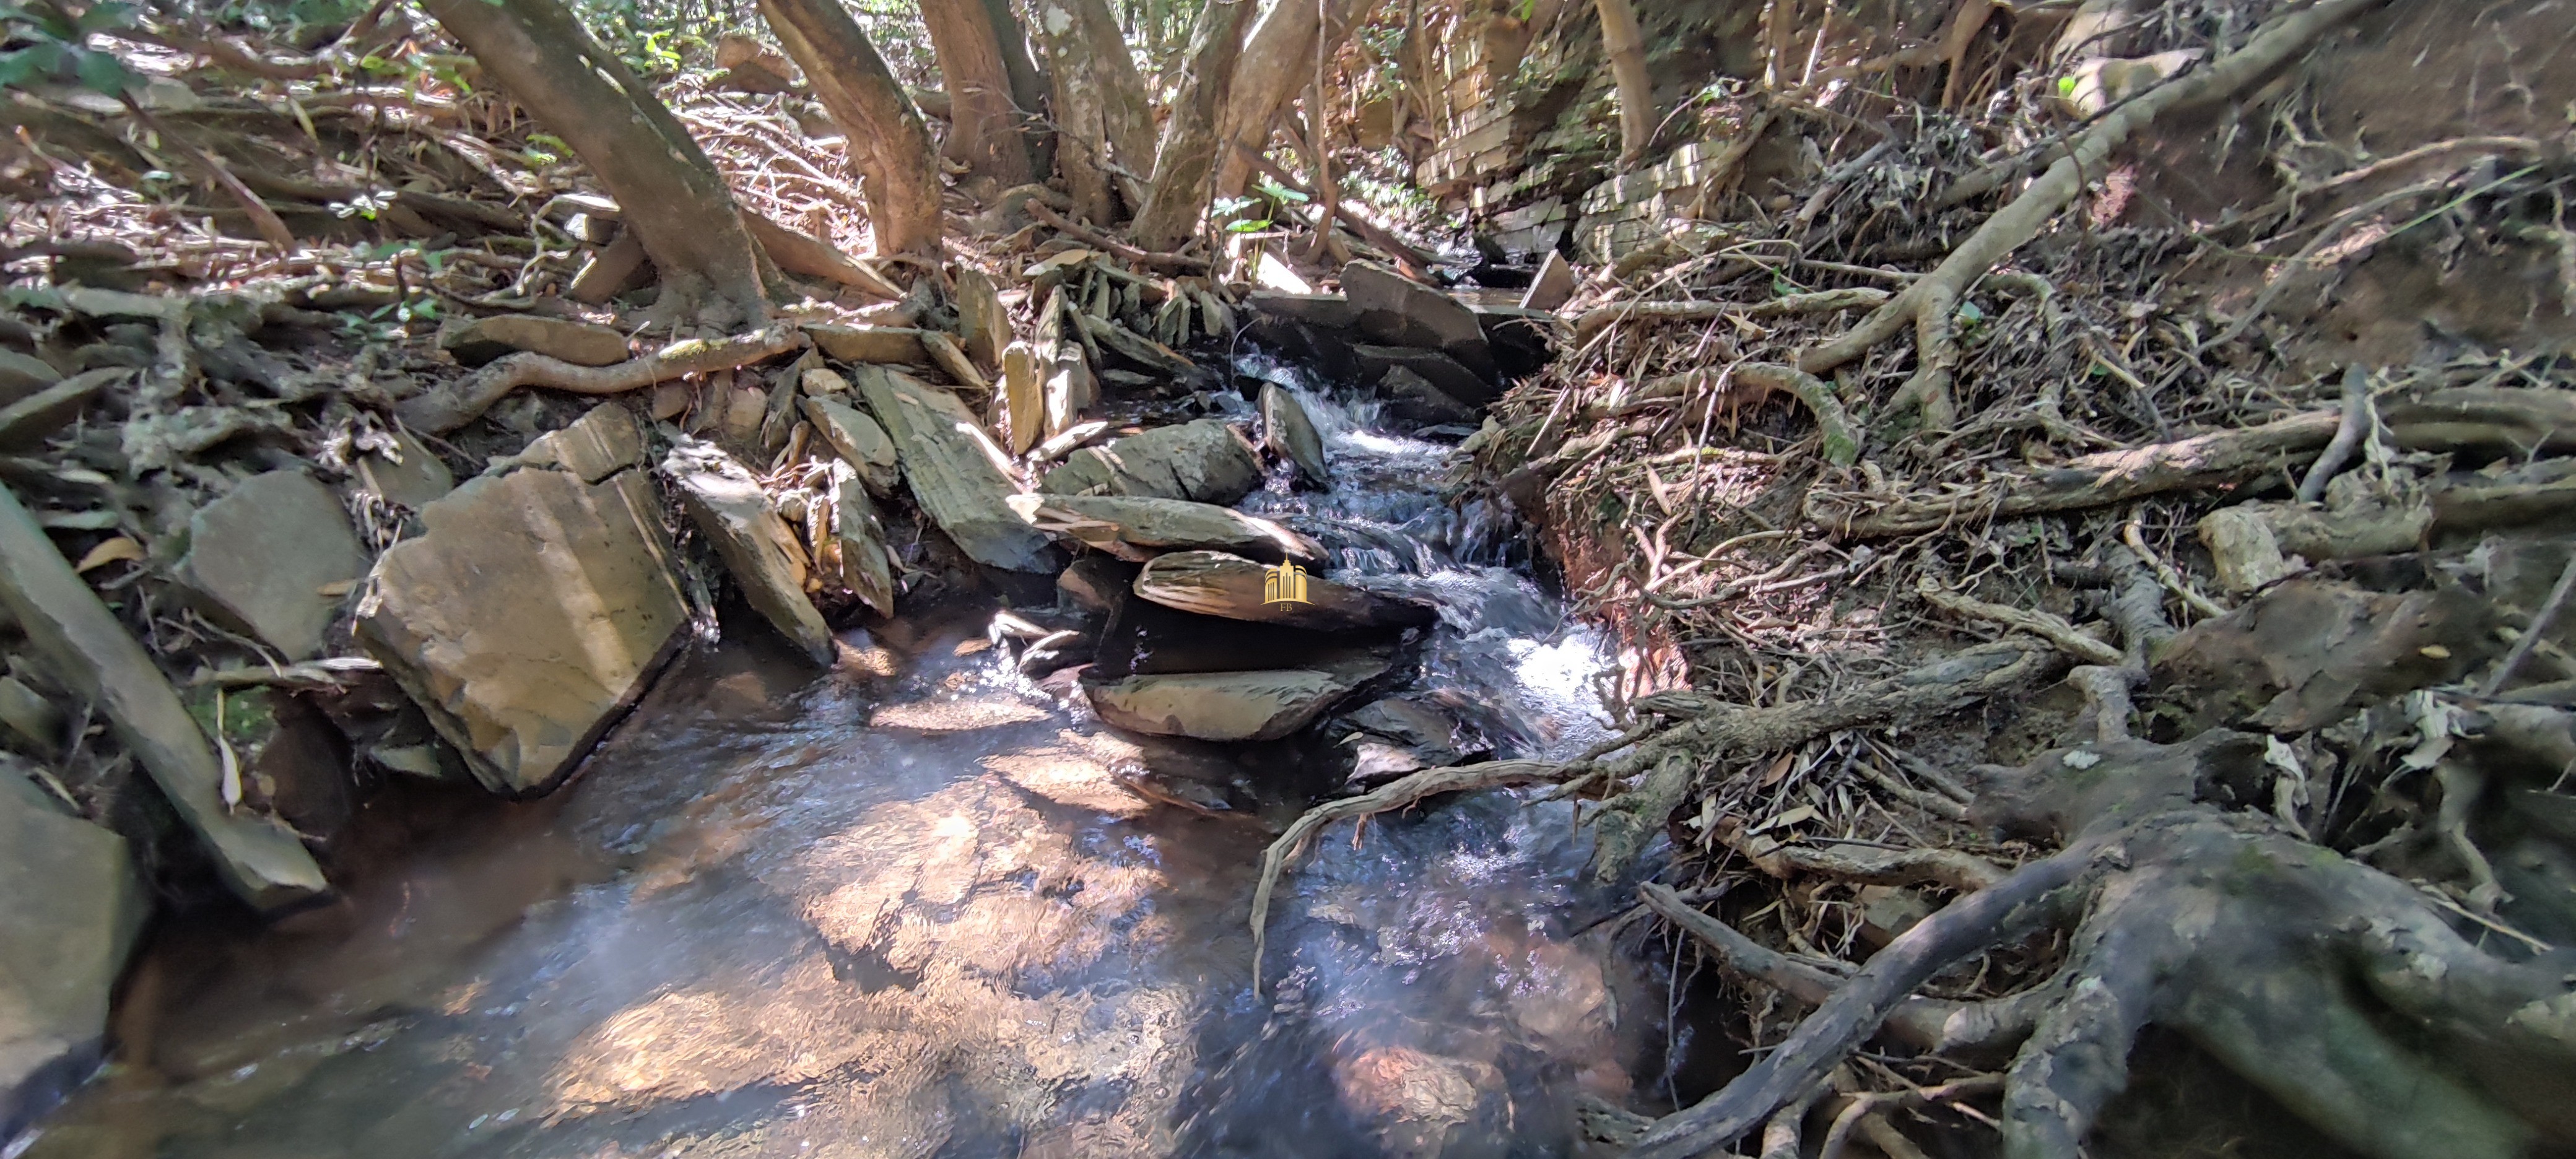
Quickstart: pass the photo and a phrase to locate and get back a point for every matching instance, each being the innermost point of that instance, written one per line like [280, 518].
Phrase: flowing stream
[918, 907]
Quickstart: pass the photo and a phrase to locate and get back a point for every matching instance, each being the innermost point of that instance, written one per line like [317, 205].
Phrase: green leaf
[1247, 226]
[26, 64]
[1281, 193]
[102, 72]
[102, 17]
[1969, 314]
[2066, 86]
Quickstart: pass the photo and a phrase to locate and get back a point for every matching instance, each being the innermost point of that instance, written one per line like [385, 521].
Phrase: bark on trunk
[1626, 48]
[887, 141]
[983, 124]
[1278, 58]
[1105, 130]
[1030, 88]
[673, 198]
[1187, 158]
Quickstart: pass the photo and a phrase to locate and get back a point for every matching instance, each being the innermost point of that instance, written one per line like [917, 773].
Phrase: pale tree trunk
[983, 125]
[670, 195]
[1103, 124]
[880, 128]
[1282, 50]
[1626, 47]
[1029, 85]
[1186, 160]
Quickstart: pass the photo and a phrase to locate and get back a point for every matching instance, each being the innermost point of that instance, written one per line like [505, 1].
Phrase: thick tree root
[1930, 302]
[2334, 987]
[445, 408]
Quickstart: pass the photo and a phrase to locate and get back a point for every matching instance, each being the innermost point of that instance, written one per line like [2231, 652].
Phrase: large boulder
[1230, 706]
[580, 343]
[1398, 311]
[529, 617]
[1216, 584]
[961, 480]
[275, 558]
[1138, 529]
[1204, 461]
[759, 549]
[69, 911]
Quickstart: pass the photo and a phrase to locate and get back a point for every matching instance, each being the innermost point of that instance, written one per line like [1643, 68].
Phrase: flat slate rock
[759, 549]
[859, 441]
[1229, 706]
[1398, 311]
[1416, 399]
[959, 477]
[74, 907]
[1205, 461]
[1213, 583]
[1290, 433]
[528, 618]
[1138, 529]
[871, 344]
[1440, 370]
[580, 343]
[410, 474]
[1331, 311]
[276, 558]
[599, 444]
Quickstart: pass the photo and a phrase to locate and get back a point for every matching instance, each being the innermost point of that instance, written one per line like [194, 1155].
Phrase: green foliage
[59, 45]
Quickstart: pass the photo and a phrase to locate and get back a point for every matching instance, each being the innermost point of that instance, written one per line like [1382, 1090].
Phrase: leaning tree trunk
[1279, 57]
[1103, 125]
[1627, 51]
[670, 194]
[1030, 89]
[887, 141]
[1186, 160]
[983, 124]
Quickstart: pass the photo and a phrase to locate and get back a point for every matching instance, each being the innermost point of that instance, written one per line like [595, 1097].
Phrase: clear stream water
[913, 908]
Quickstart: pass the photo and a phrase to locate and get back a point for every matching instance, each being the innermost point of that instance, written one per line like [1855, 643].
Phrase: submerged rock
[74, 908]
[529, 617]
[275, 558]
[758, 547]
[1230, 706]
[1138, 529]
[1205, 461]
[1290, 433]
[959, 477]
[579, 343]
[1216, 584]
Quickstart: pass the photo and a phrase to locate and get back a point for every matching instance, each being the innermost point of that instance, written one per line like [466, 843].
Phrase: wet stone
[759, 549]
[73, 909]
[1205, 461]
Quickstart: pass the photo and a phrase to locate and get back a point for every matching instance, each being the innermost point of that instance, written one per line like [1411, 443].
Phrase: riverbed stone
[528, 618]
[759, 549]
[580, 343]
[1290, 433]
[899, 345]
[409, 474]
[1331, 311]
[1553, 287]
[1416, 399]
[859, 441]
[600, 443]
[1230, 706]
[1096, 583]
[1440, 370]
[1398, 311]
[22, 375]
[1138, 529]
[960, 479]
[983, 326]
[275, 557]
[70, 907]
[1205, 460]
[1213, 583]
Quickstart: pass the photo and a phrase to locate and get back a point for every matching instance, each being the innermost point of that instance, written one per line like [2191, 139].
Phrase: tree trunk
[1094, 74]
[1187, 158]
[1103, 123]
[1030, 88]
[1627, 50]
[983, 125]
[1281, 52]
[887, 142]
[671, 195]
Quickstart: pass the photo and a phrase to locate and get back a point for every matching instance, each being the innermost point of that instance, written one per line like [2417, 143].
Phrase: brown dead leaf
[115, 550]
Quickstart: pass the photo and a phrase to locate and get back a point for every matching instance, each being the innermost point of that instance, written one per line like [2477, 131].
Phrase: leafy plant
[61, 46]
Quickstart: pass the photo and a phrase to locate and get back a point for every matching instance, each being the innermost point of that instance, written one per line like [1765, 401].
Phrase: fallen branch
[1840, 437]
[1930, 303]
[2047, 626]
[447, 407]
[1594, 320]
[1101, 241]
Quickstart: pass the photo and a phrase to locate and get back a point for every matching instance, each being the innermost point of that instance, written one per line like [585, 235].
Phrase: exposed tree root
[447, 407]
[1670, 757]
[1930, 302]
[2286, 962]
